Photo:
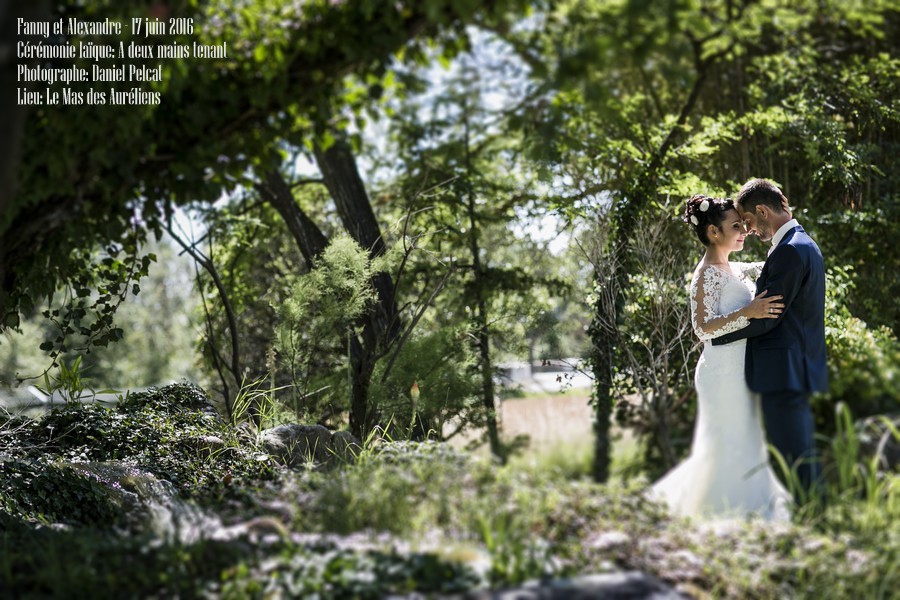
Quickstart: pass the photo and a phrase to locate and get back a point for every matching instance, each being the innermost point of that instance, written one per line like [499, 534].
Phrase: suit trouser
[791, 429]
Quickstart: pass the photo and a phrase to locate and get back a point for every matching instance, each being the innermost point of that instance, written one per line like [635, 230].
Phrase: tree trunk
[602, 360]
[625, 216]
[381, 325]
[310, 239]
[482, 333]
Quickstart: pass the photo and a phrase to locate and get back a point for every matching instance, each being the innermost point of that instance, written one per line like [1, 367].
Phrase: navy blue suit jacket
[788, 353]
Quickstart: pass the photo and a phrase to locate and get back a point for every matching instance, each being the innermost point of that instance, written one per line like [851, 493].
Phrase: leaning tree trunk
[381, 324]
[310, 239]
[602, 357]
[625, 217]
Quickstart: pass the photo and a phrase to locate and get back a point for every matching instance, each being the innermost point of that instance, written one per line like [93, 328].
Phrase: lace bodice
[718, 294]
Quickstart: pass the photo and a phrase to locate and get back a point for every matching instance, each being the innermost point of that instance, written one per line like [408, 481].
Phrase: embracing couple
[763, 330]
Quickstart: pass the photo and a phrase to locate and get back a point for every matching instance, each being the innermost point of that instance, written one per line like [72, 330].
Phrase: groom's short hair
[761, 191]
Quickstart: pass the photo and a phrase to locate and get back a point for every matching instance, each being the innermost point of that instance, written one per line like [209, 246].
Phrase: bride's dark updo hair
[700, 211]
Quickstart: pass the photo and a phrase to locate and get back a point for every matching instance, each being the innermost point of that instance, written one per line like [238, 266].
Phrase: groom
[786, 356]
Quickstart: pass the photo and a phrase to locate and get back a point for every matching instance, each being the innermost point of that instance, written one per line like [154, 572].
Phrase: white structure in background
[549, 377]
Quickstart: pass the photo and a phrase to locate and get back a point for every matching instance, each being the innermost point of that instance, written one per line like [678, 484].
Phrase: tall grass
[855, 493]
[859, 497]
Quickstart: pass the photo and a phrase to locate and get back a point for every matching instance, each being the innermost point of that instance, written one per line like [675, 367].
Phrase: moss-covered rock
[43, 492]
[171, 432]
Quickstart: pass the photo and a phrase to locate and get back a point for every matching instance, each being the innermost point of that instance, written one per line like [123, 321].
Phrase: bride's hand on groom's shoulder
[764, 307]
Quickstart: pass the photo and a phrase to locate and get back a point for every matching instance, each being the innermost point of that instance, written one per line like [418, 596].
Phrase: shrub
[161, 431]
[863, 363]
[318, 315]
[443, 365]
[46, 493]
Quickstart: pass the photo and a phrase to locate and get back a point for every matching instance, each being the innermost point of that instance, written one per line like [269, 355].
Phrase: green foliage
[40, 491]
[157, 338]
[255, 401]
[84, 180]
[566, 461]
[318, 313]
[51, 563]
[84, 319]
[863, 362]
[71, 381]
[337, 573]
[532, 526]
[515, 556]
[857, 241]
[161, 431]
[857, 497]
[458, 523]
[442, 364]
[400, 487]
[861, 496]
[469, 198]
[39, 563]
[337, 290]
[254, 256]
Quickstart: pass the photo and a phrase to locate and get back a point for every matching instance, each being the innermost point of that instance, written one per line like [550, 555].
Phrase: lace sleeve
[710, 324]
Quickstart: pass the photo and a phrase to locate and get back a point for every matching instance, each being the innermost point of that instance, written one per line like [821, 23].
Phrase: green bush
[91, 563]
[444, 367]
[47, 493]
[317, 315]
[400, 487]
[863, 362]
[338, 573]
[455, 522]
[161, 431]
[865, 240]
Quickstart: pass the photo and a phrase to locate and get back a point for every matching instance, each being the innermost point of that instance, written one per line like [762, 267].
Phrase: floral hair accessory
[704, 206]
[694, 219]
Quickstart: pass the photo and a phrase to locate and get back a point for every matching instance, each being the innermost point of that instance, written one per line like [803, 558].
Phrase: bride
[727, 472]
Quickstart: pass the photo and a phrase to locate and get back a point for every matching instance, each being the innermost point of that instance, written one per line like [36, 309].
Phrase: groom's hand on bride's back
[764, 307]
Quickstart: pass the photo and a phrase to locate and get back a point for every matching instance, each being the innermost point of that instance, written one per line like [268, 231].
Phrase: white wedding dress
[727, 473]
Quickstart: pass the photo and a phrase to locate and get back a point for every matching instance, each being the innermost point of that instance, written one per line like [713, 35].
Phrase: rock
[877, 439]
[149, 504]
[296, 445]
[609, 540]
[258, 530]
[208, 445]
[174, 398]
[631, 585]
[346, 446]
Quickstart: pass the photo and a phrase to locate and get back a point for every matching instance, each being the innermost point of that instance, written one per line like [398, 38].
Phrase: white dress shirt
[782, 231]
